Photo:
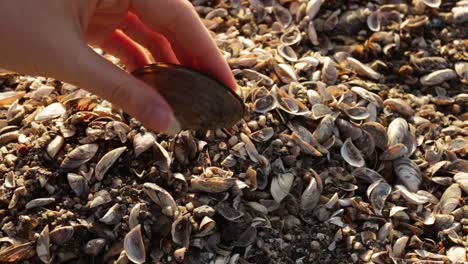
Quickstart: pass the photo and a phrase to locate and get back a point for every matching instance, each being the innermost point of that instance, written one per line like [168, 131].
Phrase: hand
[51, 37]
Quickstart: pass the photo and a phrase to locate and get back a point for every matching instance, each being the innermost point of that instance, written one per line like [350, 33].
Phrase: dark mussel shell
[200, 102]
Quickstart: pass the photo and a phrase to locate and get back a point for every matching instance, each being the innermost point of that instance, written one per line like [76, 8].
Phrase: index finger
[179, 22]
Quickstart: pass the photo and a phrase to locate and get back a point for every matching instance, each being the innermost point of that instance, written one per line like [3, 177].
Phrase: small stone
[315, 245]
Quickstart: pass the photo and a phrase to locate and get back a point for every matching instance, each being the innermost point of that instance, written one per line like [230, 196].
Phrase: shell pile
[353, 148]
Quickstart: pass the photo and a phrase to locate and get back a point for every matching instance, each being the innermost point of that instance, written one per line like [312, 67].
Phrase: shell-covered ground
[353, 149]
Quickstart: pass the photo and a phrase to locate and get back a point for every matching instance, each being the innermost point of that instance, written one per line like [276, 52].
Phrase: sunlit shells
[438, 77]
[79, 156]
[394, 152]
[397, 131]
[181, 230]
[450, 200]
[162, 198]
[77, 184]
[313, 7]
[461, 68]
[282, 15]
[287, 52]
[329, 73]
[362, 69]
[351, 154]
[206, 226]
[281, 185]
[265, 104]
[43, 245]
[285, 72]
[7, 98]
[54, 146]
[399, 106]
[114, 214]
[142, 142]
[39, 202]
[52, 111]
[462, 179]
[134, 246]
[99, 198]
[432, 3]
[411, 197]
[311, 195]
[263, 134]
[378, 193]
[408, 173]
[107, 161]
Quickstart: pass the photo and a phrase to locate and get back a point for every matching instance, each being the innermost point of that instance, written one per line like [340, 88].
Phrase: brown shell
[199, 101]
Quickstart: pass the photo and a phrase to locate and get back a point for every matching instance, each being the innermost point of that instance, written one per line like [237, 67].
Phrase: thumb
[97, 75]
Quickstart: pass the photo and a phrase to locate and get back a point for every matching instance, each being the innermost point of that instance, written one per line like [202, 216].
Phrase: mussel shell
[199, 102]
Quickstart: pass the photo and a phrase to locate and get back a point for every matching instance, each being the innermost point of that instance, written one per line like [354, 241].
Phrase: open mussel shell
[199, 102]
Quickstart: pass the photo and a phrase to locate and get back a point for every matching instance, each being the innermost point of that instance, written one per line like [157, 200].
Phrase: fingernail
[174, 126]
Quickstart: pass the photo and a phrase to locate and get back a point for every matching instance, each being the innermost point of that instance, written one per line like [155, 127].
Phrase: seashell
[43, 245]
[312, 34]
[408, 173]
[114, 214]
[263, 134]
[265, 104]
[285, 72]
[351, 154]
[329, 73]
[99, 198]
[438, 77]
[311, 195]
[384, 231]
[305, 146]
[396, 131]
[291, 37]
[281, 185]
[287, 52]
[282, 15]
[461, 68]
[10, 180]
[458, 145]
[51, 111]
[312, 8]
[39, 202]
[366, 174]
[217, 105]
[398, 249]
[348, 130]
[462, 179]
[62, 234]
[320, 110]
[206, 227]
[162, 198]
[450, 200]
[181, 230]
[116, 128]
[8, 98]
[17, 253]
[373, 21]
[460, 14]
[363, 70]
[325, 129]
[133, 220]
[94, 246]
[142, 142]
[410, 197]
[15, 113]
[456, 254]
[212, 185]
[433, 3]
[54, 146]
[218, 12]
[78, 184]
[378, 193]
[368, 96]
[134, 246]
[357, 113]
[107, 161]
[258, 77]
[306, 141]
[394, 152]
[250, 147]
[399, 106]
[9, 137]
[79, 156]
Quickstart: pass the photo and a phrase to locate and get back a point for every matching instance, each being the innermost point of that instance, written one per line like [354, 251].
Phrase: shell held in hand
[199, 101]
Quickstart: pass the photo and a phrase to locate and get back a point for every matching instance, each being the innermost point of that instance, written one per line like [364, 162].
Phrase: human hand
[51, 37]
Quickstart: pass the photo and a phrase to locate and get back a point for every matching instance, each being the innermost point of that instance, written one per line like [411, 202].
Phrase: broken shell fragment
[134, 246]
[206, 103]
[280, 186]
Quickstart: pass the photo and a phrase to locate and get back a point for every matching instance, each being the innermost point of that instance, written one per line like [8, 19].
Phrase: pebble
[315, 245]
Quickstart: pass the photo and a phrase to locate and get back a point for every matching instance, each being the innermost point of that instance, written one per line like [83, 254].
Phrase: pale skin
[50, 38]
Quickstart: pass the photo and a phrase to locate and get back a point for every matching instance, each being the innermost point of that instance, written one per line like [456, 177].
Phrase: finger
[179, 22]
[91, 72]
[130, 53]
[156, 43]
